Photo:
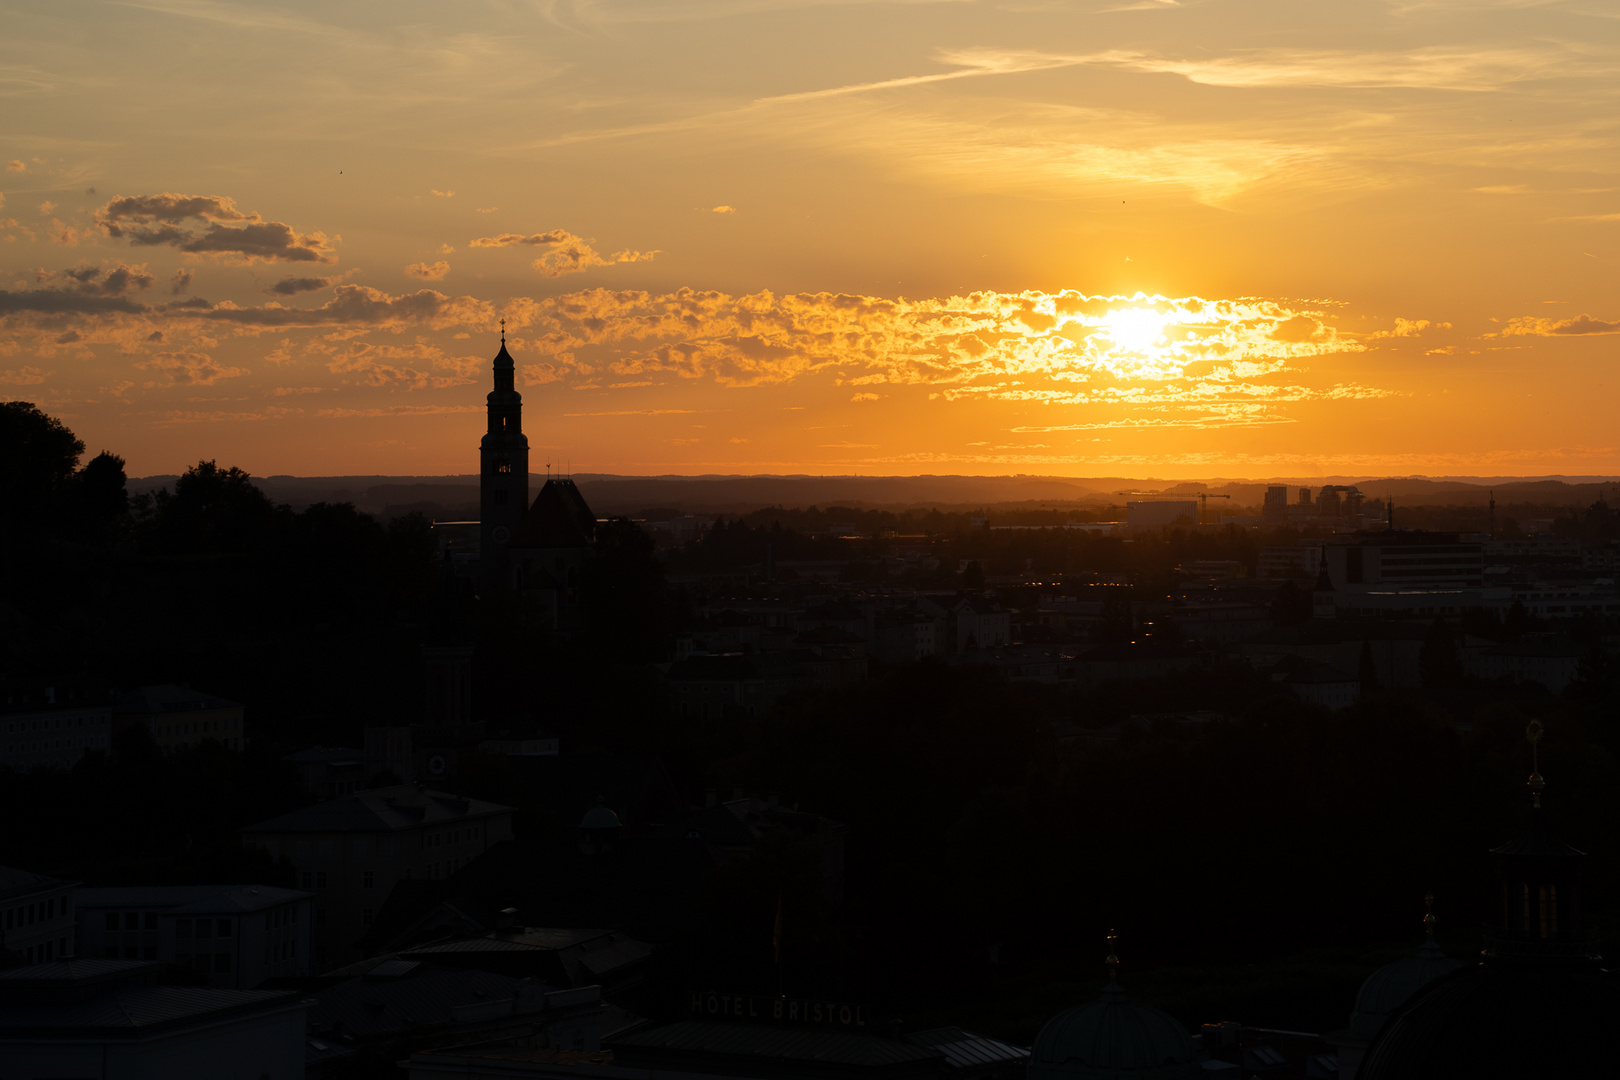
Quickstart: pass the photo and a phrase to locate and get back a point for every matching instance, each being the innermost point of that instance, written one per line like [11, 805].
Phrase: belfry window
[500, 496]
[503, 466]
[1549, 911]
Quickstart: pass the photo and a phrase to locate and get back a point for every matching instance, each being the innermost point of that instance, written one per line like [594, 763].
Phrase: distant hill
[457, 496]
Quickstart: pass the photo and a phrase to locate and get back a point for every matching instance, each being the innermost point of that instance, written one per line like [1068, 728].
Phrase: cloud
[16, 166]
[1409, 328]
[555, 236]
[426, 272]
[866, 397]
[180, 282]
[569, 254]
[446, 249]
[47, 208]
[392, 366]
[443, 194]
[357, 306]
[723, 210]
[187, 369]
[1538, 327]
[572, 258]
[119, 280]
[292, 285]
[485, 209]
[226, 232]
[27, 376]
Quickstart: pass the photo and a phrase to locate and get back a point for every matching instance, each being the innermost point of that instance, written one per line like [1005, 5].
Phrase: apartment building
[52, 726]
[178, 716]
[36, 916]
[237, 935]
[349, 852]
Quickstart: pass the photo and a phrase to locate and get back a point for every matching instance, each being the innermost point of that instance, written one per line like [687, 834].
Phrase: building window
[110, 953]
[368, 879]
[112, 921]
[320, 879]
[359, 847]
[149, 953]
[223, 928]
[326, 849]
[366, 915]
[500, 496]
[307, 879]
[301, 850]
[182, 928]
[132, 920]
[151, 920]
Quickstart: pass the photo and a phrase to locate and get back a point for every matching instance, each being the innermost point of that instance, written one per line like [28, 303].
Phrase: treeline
[312, 617]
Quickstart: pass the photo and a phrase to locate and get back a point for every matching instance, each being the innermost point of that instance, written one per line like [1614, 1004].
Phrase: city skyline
[1155, 239]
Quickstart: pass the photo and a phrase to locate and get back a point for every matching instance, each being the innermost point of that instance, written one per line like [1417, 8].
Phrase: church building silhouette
[534, 550]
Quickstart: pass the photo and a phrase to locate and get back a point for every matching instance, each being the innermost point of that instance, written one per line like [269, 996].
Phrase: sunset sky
[1140, 237]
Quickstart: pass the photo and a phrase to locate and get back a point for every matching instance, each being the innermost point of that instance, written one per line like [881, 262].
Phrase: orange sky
[1134, 237]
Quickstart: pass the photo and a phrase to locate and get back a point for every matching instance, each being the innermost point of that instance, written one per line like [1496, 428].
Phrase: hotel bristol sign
[800, 1012]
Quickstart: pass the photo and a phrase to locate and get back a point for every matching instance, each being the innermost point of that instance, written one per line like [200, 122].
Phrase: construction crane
[1203, 498]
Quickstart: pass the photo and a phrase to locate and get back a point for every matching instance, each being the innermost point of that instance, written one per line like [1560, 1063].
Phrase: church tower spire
[503, 480]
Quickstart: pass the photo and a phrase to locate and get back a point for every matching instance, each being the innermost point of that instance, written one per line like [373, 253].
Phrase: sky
[1105, 237]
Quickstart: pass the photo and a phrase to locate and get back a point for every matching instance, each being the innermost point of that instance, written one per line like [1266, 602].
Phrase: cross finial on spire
[1535, 783]
[1112, 961]
[1428, 914]
[503, 331]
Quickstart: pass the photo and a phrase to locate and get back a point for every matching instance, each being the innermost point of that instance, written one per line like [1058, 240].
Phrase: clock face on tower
[501, 534]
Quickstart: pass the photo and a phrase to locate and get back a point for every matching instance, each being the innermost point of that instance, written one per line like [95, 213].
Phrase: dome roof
[1504, 1019]
[1388, 988]
[1113, 1039]
[600, 817]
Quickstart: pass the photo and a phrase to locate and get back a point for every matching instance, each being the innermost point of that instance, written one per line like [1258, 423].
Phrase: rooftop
[169, 698]
[381, 810]
[112, 998]
[14, 882]
[189, 899]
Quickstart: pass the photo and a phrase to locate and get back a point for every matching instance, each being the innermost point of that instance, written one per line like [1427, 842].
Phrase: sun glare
[1139, 330]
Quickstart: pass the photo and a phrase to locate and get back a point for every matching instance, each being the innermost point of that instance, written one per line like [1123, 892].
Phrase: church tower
[503, 480]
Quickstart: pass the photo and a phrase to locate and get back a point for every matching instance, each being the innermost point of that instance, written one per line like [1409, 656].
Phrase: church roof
[1537, 840]
[1113, 1039]
[1503, 1020]
[559, 518]
[1388, 988]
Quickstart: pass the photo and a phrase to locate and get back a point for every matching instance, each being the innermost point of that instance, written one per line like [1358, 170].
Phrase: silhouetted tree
[215, 509]
[628, 607]
[99, 499]
[38, 455]
[1439, 662]
[1366, 670]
